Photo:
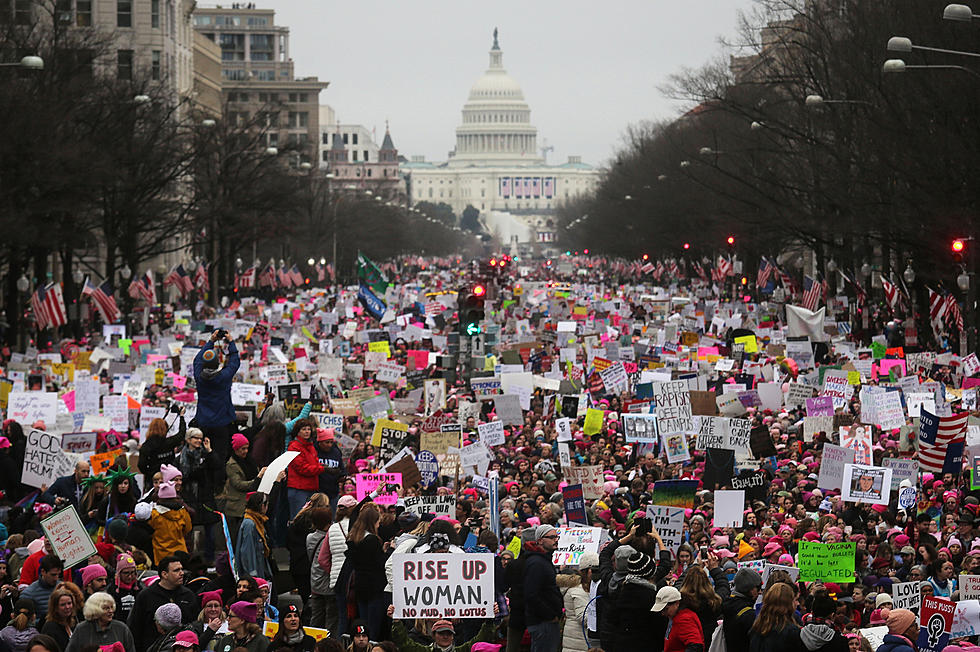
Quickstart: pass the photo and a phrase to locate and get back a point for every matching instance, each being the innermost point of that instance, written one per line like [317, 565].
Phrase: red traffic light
[493, 262]
[646, 257]
[479, 290]
[731, 240]
[687, 245]
[503, 263]
[958, 245]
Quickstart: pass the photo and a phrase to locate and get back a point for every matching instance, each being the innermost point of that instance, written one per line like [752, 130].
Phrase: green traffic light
[472, 329]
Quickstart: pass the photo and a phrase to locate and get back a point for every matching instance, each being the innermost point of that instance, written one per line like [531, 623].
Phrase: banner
[438, 505]
[442, 586]
[574, 504]
[906, 595]
[368, 482]
[44, 461]
[935, 623]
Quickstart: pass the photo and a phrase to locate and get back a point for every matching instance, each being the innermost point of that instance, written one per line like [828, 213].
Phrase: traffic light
[958, 247]
[687, 245]
[731, 243]
[469, 308]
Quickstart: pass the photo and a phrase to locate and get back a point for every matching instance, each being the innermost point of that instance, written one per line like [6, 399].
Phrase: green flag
[368, 272]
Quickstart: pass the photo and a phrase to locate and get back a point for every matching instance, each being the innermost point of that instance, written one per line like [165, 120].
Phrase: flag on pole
[320, 272]
[371, 275]
[246, 279]
[953, 314]
[295, 276]
[285, 280]
[268, 276]
[937, 309]
[811, 293]
[39, 308]
[149, 288]
[202, 279]
[941, 442]
[102, 295]
[49, 306]
[179, 278]
[765, 271]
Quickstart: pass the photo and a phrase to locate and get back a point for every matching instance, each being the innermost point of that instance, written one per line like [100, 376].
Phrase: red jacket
[305, 469]
[684, 630]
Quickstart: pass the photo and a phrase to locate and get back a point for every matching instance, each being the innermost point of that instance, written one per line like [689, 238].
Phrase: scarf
[259, 520]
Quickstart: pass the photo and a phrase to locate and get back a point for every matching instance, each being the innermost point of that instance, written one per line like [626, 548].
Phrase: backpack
[718, 638]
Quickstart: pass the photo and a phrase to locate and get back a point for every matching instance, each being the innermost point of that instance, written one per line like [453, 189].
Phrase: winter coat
[404, 543]
[333, 468]
[170, 526]
[337, 540]
[738, 616]
[140, 621]
[367, 559]
[304, 471]
[257, 643]
[785, 640]
[199, 468]
[407, 644]
[89, 632]
[895, 643]
[157, 451]
[250, 555]
[17, 639]
[685, 631]
[299, 560]
[237, 485]
[214, 408]
[306, 644]
[576, 599]
[820, 637]
[542, 600]
[634, 626]
[319, 576]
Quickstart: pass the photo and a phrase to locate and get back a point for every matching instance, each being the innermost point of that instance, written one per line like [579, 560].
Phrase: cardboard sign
[442, 586]
[491, 434]
[368, 482]
[78, 442]
[969, 587]
[439, 442]
[438, 505]
[673, 401]
[29, 407]
[858, 439]
[729, 506]
[574, 541]
[669, 523]
[101, 462]
[642, 427]
[902, 469]
[830, 562]
[275, 467]
[44, 461]
[574, 501]
[832, 466]
[906, 595]
[68, 537]
[326, 420]
[407, 466]
[428, 466]
[966, 620]
[591, 479]
[935, 623]
[270, 628]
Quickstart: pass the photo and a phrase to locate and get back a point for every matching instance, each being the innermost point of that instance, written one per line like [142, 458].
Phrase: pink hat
[167, 490]
[91, 572]
[4, 442]
[786, 559]
[210, 596]
[238, 440]
[325, 434]
[771, 549]
[170, 472]
[261, 582]
[247, 611]
[187, 639]
[346, 501]
[723, 553]
[35, 546]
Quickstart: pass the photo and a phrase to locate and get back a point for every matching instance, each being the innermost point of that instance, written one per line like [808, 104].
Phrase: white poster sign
[866, 484]
[442, 586]
[71, 542]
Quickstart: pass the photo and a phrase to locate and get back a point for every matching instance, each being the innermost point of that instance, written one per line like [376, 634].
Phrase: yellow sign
[380, 347]
[159, 376]
[853, 377]
[751, 346]
[515, 547]
[593, 421]
[64, 370]
[81, 360]
[291, 366]
[270, 629]
[382, 424]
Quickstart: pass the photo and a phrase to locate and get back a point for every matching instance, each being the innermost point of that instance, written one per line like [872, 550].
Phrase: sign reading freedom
[830, 562]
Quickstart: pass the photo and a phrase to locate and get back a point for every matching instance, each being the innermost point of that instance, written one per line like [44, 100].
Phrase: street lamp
[899, 66]
[272, 151]
[961, 13]
[756, 125]
[78, 276]
[865, 270]
[323, 260]
[29, 62]
[831, 265]
[190, 265]
[963, 281]
[310, 262]
[685, 164]
[909, 273]
[23, 285]
[814, 101]
[239, 263]
[208, 122]
[904, 44]
[125, 272]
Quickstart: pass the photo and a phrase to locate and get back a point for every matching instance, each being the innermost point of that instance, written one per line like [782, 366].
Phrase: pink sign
[368, 482]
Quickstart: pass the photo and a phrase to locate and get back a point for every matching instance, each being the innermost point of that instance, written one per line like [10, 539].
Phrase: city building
[350, 153]
[496, 166]
[258, 79]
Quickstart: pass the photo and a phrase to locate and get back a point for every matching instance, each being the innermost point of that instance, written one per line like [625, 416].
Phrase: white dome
[496, 84]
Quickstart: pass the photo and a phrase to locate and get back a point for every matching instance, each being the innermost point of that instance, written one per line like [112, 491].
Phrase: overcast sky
[588, 69]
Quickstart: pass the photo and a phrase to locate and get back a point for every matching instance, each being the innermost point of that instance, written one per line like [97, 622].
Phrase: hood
[816, 635]
[616, 579]
[209, 374]
[21, 638]
[566, 581]
[167, 513]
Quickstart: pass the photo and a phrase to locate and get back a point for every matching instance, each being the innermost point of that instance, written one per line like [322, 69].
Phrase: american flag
[320, 272]
[699, 268]
[179, 278]
[149, 288]
[331, 271]
[953, 314]
[937, 309]
[646, 269]
[285, 280]
[295, 276]
[104, 301]
[268, 276]
[49, 306]
[135, 289]
[941, 442]
[861, 295]
[725, 268]
[811, 293]
[891, 293]
[766, 269]
[788, 284]
[202, 279]
[246, 279]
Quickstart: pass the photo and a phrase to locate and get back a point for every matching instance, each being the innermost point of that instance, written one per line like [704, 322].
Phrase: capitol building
[497, 166]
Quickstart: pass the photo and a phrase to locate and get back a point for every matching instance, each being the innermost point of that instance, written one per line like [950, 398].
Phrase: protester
[199, 465]
[337, 540]
[100, 628]
[305, 469]
[62, 616]
[775, 629]
[158, 447]
[542, 599]
[215, 413]
[242, 478]
[244, 632]
[365, 554]
[683, 626]
[40, 591]
[253, 551]
[126, 586]
[68, 489]
[290, 633]
[575, 595]
[168, 589]
[21, 630]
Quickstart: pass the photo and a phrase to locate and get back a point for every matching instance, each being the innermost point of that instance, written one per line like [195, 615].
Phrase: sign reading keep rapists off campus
[442, 586]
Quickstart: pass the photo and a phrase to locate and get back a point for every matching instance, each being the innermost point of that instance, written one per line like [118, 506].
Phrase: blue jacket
[895, 643]
[63, 487]
[250, 556]
[214, 408]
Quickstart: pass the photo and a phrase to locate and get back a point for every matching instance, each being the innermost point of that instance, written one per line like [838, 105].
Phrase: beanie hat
[123, 562]
[91, 572]
[170, 472]
[238, 440]
[543, 530]
[641, 564]
[325, 434]
[899, 620]
[210, 359]
[209, 596]
[621, 557]
[747, 579]
[186, 638]
[117, 529]
[168, 615]
[247, 611]
[167, 490]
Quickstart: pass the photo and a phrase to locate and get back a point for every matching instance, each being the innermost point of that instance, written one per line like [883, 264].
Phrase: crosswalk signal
[469, 304]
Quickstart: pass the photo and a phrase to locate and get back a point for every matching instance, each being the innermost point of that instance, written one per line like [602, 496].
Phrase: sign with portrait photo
[866, 484]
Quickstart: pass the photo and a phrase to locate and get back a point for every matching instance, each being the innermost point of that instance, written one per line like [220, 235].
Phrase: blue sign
[574, 504]
[371, 303]
[428, 467]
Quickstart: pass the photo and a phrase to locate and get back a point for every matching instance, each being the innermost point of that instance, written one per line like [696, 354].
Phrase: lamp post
[29, 62]
[814, 101]
[23, 285]
[892, 66]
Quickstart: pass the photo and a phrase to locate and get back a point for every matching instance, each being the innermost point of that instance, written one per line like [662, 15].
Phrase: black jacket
[140, 621]
[515, 583]
[738, 615]
[542, 599]
[157, 451]
[785, 640]
[636, 628]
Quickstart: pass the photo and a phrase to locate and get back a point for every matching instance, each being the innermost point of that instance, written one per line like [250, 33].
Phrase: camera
[643, 526]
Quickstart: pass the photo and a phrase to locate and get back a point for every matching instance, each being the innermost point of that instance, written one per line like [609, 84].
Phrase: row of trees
[879, 171]
[106, 172]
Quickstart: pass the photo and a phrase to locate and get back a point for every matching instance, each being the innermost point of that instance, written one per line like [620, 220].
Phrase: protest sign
[147, 415]
[442, 586]
[243, 394]
[28, 407]
[428, 467]
[673, 401]
[874, 635]
[388, 436]
[719, 467]
[78, 442]
[729, 506]
[100, 462]
[491, 434]
[66, 533]
[906, 595]
[270, 628]
[405, 464]
[275, 467]
[813, 426]
[969, 587]
[792, 571]
[754, 483]
[574, 541]
[574, 501]
[387, 485]
[508, 408]
[674, 493]
[739, 436]
[830, 562]
[866, 484]
[326, 420]
[641, 427]
[438, 505]
[591, 479]
[669, 523]
[675, 445]
[44, 461]
[966, 619]
[831, 474]
[438, 442]
[902, 469]
[858, 439]
[820, 406]
[888, 410]
[709, 432]
[935, 623]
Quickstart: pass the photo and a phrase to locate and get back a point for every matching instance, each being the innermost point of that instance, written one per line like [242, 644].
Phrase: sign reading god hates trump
[442, 586]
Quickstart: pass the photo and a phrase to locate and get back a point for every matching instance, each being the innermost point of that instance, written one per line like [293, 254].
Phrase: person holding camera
[215, 413]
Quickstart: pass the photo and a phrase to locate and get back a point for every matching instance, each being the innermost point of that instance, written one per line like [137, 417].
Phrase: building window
[124, 64]
[298, 119]
[258, 20]
[233, 75]
[274, 139]
[155, 65]
[202, 20]
[370, 171]
[354, 139]
[262, 46]
[325, 139]
[155, 14]
[83, 13]
[354, 155]
[365, 156]
[326, 155]
[266, 75]
[124, 14]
